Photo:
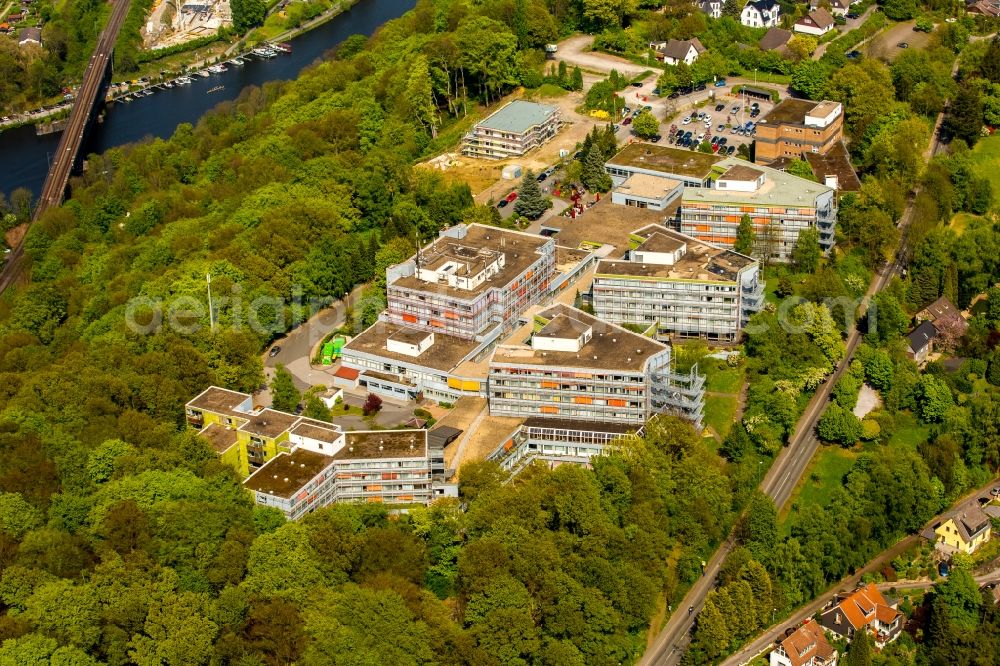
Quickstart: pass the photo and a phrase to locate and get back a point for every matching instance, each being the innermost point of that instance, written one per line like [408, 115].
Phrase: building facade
[685, 287]
[798, 126]
[806, 646]
[579, 368]
[865, 609]
[761, 14]
[557, 442]
[512, 131]
[818, 22]
[779, 205]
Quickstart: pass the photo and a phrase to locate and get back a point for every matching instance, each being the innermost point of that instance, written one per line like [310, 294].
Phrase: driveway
[576, 51]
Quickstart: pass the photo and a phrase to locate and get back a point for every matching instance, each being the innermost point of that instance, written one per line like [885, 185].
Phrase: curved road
[788, 467]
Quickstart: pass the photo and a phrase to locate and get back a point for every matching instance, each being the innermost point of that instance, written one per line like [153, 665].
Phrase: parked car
[637, 84]
[903, 45]
[715, 147]
[720, 83]
[627, 121]
[502, 203]
[701, 137]
[853, 15]
[686, 121]
[995, 492]
[853, 55]
[720, 128]
[719, 107]
[735, 109]
[673, 95]
[542, 176]
[715, 140]
[275, 350]
[700, 87]
[647, 108]
[511, 196]
[656, 138]
[730, 150]
[656, 91]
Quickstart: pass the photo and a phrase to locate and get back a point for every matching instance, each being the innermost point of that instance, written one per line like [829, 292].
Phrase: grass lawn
[986, 159]
[909, 432]
[960, 221]
[719, 413]
[545, 90]
[825, 474]
[719, 377]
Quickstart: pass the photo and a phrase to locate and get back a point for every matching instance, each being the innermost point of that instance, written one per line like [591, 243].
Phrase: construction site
[173, 22]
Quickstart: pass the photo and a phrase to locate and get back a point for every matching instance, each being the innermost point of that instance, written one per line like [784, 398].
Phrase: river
[25, 156]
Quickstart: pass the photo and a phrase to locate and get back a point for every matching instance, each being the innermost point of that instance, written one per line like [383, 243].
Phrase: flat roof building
[447, 306]
[578, 367]
[779, 205]
[512, 131]
[642, 190]
[693, 169]
[795, 127]
[683, 286]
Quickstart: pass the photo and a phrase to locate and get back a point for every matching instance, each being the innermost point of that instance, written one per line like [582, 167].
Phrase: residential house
[806, 646]
[837, 7]
[865, 609]
[943, 313]
[711, 8]
[761, 14]
[29, 36]
[920, 341]
[512, 131]
[984, 7]
[683, 286]
[797, 127]
[677, 51]
[775, 39]
[817, 22]
[963, 529]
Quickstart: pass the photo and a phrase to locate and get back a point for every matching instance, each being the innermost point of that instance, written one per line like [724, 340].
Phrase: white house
[676, 51]
[29, 36]
[817, 22]
[761, 14]
[712, 8]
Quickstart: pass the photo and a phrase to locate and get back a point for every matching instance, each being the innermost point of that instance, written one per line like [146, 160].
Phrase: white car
[701, 137]
[708, 123]
[686, 121]
[735, 109]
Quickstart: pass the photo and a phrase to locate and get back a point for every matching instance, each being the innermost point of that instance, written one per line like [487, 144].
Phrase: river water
[24, 156]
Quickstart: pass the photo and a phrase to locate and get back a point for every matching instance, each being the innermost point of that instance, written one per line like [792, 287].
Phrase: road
[847, 27]
[72, 137]
[764, 642]
[787, 468]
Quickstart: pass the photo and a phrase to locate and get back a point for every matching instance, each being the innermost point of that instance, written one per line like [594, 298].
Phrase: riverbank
[169, 68]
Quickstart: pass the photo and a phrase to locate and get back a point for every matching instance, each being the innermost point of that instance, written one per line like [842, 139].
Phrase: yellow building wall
[271, 448]
[948, 533]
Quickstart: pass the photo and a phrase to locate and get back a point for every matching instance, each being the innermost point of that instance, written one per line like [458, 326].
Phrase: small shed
[511, 172]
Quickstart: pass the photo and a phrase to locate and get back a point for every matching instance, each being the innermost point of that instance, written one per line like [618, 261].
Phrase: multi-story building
[687, 287]
[795, 127]
[806, 646]
[447, 307]
[512, 130]
[779, 205]
[693, 169]
[865, 609]
[385, 466]
[576, 367]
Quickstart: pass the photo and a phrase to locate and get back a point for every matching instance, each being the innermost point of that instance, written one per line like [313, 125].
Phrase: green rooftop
[665, 160]
[518, 117]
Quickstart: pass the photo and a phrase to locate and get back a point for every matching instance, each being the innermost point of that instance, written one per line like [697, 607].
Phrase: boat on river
[218, 69]
[216, 89]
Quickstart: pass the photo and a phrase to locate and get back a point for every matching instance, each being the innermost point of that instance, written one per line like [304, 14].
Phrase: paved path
[847, 27]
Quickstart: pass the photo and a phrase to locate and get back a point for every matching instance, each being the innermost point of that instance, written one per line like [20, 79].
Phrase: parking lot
[725, 124]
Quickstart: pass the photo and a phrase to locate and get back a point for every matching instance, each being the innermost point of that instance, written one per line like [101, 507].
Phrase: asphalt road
[767, 639]
[787, 468]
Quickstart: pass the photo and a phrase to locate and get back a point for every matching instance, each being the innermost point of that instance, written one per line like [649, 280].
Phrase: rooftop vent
[595, 357]
[302, 465]
[286, 479]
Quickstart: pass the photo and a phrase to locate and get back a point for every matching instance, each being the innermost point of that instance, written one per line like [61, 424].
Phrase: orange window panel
[732, 218]
[406, 498]
[747, 209]
[580, 400]
[450, 315]
[508, 446]
[702, 227]
[617, 403]
[438, 324]
[528, 275]
[410, 318]
[550, 385]
[550, 410]
[374, 500]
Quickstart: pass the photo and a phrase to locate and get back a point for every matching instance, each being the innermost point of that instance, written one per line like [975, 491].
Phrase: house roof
[942, 307]
[762, 5]
[806, 642]
[30, 33]
[818, 17]
[287, 473]
[921, 336]
[219, 436]
[677, 49]
[774, 38]
[220, 401]
[350, 374]
[970, 519]
[864, 602]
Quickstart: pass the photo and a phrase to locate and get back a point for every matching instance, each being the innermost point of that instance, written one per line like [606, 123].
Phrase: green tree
[711, 635]
[646, 125]
[594, 177]
[745, 237]
[284, 396]
[576, 82]
[731, 8]
[759, 527]
[248, 14]
[839, 425]
[859, 652]
[530, 201]
[934, 399]
[176, 632]
[965, 115]
[806, 253]
[989, 66]
[801, 169]
[958, 599]
[808, 79]
[315, 408]
[17, 516]
[899, 10]
[420, 95]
